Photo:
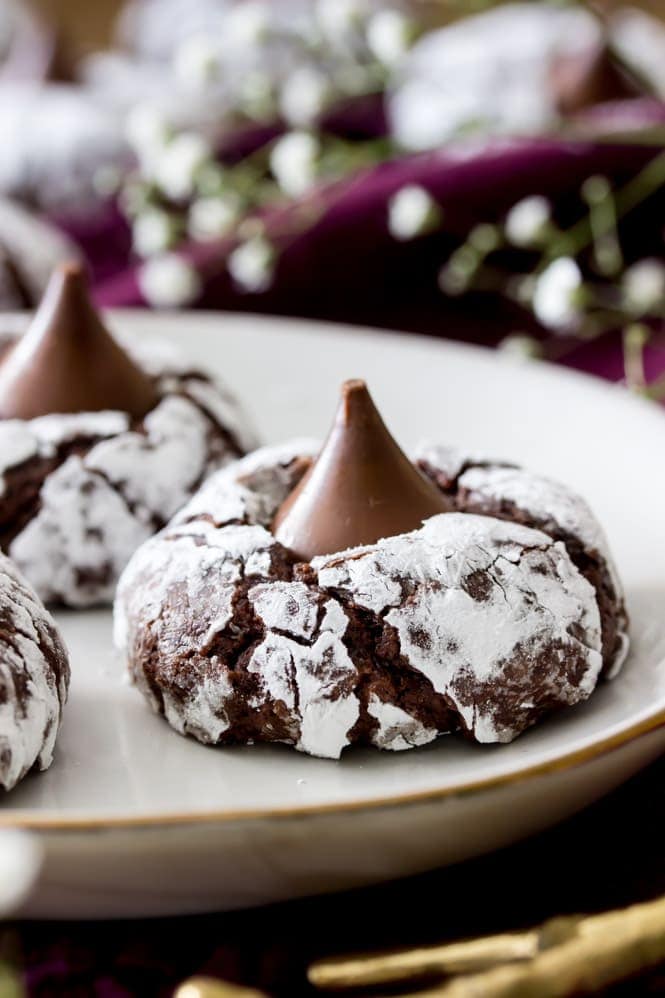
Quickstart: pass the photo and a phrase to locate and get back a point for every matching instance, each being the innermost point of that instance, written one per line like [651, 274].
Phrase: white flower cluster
[214, 217]
[293, 161]
[644, 286]
[556, 298]
[526, 222]
[169, 281]
[169, 161]
[295, 57]
[251, 264]
[263, 60]
[412, 212]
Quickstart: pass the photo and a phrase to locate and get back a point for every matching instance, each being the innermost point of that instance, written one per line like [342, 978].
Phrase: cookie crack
[225, 433]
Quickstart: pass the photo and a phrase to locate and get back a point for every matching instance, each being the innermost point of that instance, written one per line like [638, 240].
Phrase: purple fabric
[104, 237]
[346, 266]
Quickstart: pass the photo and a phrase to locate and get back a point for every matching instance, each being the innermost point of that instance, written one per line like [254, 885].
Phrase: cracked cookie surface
[480, 485]
[79, 492]
[34, 678]
[472, 623]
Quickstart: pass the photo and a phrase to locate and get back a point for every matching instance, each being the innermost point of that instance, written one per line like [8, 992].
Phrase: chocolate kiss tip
[70, 268]
[356, 400]
[360, 488]
[354, 386]
[67, 362]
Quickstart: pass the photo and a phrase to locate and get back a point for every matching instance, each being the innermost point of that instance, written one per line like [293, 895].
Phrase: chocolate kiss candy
[592, 77]
[360, 488]
[68, 362]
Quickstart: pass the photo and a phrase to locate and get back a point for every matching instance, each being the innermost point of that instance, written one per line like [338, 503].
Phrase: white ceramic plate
[133, 819]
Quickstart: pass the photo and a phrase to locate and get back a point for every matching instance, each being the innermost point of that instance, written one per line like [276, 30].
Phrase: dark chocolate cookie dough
[34, 679]
[101, 441]
[469, 622]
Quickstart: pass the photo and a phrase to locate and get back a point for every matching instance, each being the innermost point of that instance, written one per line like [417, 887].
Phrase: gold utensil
[366, 971]
[565, 956]
[209, 987]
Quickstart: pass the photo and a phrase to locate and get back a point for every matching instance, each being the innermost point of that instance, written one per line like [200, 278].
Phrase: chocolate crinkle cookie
[474, 623]
[34, 679]
[494, 488]
[101, 440]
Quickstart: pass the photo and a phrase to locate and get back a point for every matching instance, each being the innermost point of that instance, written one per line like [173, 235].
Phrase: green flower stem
[635, 338]
[10, 983]
[466, 267]
[581, 235]
[656, 390]
[608, 257]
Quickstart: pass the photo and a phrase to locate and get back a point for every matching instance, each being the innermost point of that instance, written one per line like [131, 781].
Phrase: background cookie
[34, 679]
[81, 489]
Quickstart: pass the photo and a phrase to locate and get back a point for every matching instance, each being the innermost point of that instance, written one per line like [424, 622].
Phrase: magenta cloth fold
[345, 266]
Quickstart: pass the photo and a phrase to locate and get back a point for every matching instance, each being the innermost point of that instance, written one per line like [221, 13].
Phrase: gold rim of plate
[569, 760]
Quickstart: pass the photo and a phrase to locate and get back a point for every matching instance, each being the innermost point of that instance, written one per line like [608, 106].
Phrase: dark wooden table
[609, 855]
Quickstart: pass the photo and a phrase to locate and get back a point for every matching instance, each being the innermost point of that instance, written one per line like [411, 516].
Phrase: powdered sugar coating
[174, 436]
[314, 676]
[50, 432]
[397, 730]
[250, 490]
[18, 445]
[34, 679]
[81, 538]
[223, 408]
[202, 564]
[470, 621]
[550, 502]
[479, 484]
[105, 484]
[449, 461]
[479, 593]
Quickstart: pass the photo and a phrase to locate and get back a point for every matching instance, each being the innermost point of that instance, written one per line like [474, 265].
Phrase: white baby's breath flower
[644, 285]
[411, 212]
[251, 264]
[107, 179]
[256, 95]
[247, 23]
[175, 171]
[389, 35]
[526, 221]
[520, 346]
[169, 281]
[304, 96]
[556, 294]
[213, 217]
[338, 19]
[196, 61]
[134, 197]
[152, 232]
[146, 128]
[293, 162]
